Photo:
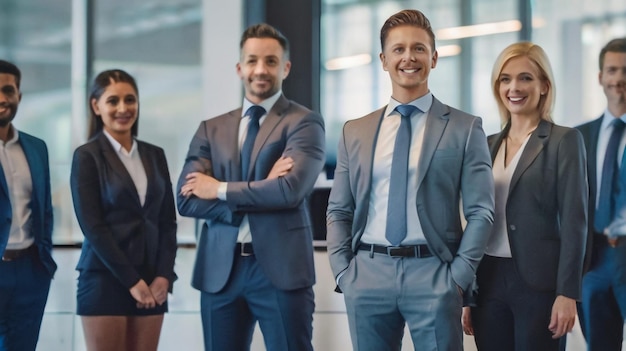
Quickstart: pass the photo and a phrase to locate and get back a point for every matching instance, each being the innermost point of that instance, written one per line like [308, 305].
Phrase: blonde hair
[539, 60]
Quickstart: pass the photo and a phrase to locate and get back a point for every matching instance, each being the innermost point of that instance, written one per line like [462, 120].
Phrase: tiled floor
[61, 329]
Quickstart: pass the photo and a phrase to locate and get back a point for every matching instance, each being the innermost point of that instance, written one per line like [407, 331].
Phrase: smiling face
[612, 77]
[521, 87]
[118, 108]
[262, 68]
[408, 57]
[10, 97]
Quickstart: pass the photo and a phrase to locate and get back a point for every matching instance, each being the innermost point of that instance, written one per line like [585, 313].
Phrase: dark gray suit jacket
[121, 235]
[454, 162]
[36, 154]
[546, 209]
[277, 211]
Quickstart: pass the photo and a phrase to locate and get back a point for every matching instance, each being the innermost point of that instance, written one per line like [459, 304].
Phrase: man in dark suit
[26, 226]
[602, 292]
[255, 250]
[416, 277]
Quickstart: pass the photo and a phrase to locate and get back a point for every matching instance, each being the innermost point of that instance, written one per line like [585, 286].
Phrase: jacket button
[512, 227]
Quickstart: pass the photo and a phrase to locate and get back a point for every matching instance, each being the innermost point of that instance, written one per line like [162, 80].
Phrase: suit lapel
[36, 171]
[149, 169]
[3, 182]
[436, 122]
[274, 116]
[534, 146]
[111, 157]
[592, 156]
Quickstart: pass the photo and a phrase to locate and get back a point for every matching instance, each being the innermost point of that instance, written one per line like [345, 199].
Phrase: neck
[404, 96]
[521, 126]
[125, 139]
[6, 133]
[617, 109]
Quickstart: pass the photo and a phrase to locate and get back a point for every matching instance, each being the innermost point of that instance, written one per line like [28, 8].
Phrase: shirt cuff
[221, 191]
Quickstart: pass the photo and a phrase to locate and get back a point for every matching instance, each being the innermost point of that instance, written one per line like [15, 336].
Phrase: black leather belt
[12, 255]
[419, 251]
[244, 249]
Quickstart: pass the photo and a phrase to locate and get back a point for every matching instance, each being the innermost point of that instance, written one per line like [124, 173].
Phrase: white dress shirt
[374, 232]
[498, 244]
[20, 185]
[132, 161]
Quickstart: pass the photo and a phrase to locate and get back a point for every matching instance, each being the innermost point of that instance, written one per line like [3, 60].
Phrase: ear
[286, 69]
[600, 77]
[94, 107]
[545, 88]
[238, 68]
[383, 61]
[435, 57]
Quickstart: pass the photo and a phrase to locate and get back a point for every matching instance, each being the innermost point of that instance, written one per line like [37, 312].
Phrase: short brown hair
[615, 45]
[413, 18]
[264, 30]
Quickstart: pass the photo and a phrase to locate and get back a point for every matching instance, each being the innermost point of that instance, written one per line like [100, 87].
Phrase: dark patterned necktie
[254, 112]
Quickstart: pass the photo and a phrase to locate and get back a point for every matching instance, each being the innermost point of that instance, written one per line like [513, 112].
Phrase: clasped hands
[150, 296]
[205, 187]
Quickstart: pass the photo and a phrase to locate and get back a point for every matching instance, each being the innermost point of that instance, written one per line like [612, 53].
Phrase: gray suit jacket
[277, 210]
[455, 162]
[546, 210]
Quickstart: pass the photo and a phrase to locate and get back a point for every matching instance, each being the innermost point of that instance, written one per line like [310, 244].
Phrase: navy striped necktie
[606, 202]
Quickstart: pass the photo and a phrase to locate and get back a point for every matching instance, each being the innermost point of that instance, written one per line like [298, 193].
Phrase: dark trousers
[229, 316]
[24, 287]
[509, 314]
[604, 296]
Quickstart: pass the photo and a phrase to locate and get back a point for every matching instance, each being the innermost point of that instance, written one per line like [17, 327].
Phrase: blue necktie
[254, 112]
[606, 202]
[395, 230]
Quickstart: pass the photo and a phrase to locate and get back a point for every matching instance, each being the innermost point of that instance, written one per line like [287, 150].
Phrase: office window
[572, 33]
[157, 41]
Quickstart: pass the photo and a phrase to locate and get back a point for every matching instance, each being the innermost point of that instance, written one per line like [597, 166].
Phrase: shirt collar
[423, 103]
[15, 137]
[608, 118]
[117, 146]
[267, 104]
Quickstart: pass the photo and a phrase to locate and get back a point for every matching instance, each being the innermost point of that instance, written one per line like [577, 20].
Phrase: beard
[12, 111]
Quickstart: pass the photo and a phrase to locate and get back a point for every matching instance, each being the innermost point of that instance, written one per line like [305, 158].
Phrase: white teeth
[515, 99]
[409, 70]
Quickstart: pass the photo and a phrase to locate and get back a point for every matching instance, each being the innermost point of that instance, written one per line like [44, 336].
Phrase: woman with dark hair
[124, 203]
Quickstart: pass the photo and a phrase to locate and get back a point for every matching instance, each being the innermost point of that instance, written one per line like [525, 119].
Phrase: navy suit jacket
[277, 211]
[546, 209]
[121, 235]
[41, 204]
[591, 132]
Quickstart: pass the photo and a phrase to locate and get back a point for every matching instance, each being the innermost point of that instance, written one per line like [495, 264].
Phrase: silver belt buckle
[390, 250]
[243, 253]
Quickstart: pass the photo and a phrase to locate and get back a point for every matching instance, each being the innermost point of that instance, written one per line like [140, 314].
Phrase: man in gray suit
[414, 273]
[247, 174]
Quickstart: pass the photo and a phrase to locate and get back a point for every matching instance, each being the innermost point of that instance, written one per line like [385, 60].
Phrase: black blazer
[546, 210]
[121, 235]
